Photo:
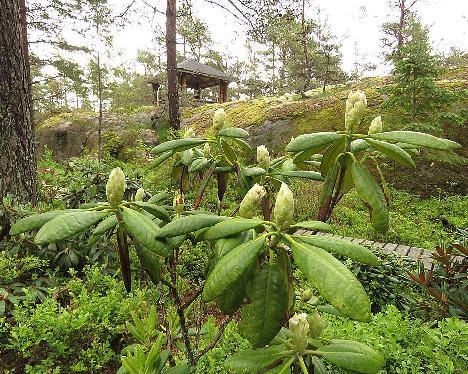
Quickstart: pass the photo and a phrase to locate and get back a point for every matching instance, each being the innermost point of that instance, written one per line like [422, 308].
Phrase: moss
[327, 116]
[80, 117]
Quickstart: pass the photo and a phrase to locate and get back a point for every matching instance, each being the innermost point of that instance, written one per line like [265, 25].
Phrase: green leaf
[351, 355]
[341, 247]
[160, 159]
[372, 196]
[34, 221]
[329, 309]
[231, 267]
[330, 155]
[150, 263]
[231, 227]
[232, 297]
[329, 185]
[307, 154]
[253, 172]
[105, 225]
[254, 360]
[158, 197]
[179, 369]
[144, 231]
[198, 164]
[359, 145]
[187, 156]
[178, 145]
[228, 151]
[318, 140]
[188, 224]
[156, 210]
[416, 138]
[302, 174]
[67, 225]
[392, 151]
[314, 225]
[262, 318]
[333, 280]
[243, 144]
[233, 132]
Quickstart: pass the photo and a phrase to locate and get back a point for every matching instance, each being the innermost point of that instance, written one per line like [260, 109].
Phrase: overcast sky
[356, 24]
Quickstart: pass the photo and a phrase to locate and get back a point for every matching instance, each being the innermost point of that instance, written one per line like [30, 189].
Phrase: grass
[414, 221]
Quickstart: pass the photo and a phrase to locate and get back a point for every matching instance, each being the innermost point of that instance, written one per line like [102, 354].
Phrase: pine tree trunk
[17, 150]
[172, 93]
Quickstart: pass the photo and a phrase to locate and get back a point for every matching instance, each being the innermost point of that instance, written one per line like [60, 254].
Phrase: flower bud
[299, 328]
[375, 126]
[288, 165]
[178, 203]
[140, 194]
[283, 211]
[206, 149]
[355, 107]
[115, 187]
[263, 157]
[316, 324]
[251, 200]
[189, 133]
[307, 295]
[219, 119]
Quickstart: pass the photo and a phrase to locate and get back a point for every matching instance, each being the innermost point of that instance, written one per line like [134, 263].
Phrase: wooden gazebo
[195, 75]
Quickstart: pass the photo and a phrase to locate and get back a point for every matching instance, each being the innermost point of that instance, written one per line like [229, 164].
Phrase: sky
[357, 25]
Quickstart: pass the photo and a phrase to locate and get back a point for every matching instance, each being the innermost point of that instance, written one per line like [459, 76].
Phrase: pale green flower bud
[299, 328]
[251, 200]
[189, 133]
[206, 149]
[219, 119]
[375, 126]
[115, 187]
[140, 194]
[178, 203]
[263, 157]
[307, 295]
[316, 324]
[355, 107]
[288, 165]
[283, 211]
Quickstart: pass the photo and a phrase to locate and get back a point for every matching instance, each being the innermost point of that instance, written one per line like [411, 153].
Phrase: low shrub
[408, 345]
[80, 328]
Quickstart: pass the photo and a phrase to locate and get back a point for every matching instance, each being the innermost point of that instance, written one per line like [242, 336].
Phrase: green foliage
[408, 345]
[415, 68]
[20, 279]
[389, 283]
[77, 329]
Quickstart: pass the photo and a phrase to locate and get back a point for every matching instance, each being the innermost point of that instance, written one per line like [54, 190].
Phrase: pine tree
[415, 91]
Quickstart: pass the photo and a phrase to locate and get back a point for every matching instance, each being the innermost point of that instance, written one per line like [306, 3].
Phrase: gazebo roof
[200, 75]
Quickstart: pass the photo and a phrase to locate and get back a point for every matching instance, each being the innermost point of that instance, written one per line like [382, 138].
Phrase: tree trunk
[17, 150]
[100, 107]
[306, 69]
[172, 93]
[401, 25]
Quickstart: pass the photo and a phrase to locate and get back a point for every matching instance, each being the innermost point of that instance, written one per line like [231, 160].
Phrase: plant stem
[180, 312]
[302, 365]
[203, 186]
[216, 338]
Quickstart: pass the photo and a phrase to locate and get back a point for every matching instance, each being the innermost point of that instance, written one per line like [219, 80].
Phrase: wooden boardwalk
[417, 254]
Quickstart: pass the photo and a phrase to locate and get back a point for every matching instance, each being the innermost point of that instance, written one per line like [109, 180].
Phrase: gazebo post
[223, 86]
[183, 81]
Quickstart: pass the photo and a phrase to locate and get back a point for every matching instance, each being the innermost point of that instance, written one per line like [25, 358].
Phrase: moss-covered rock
[69, 134]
